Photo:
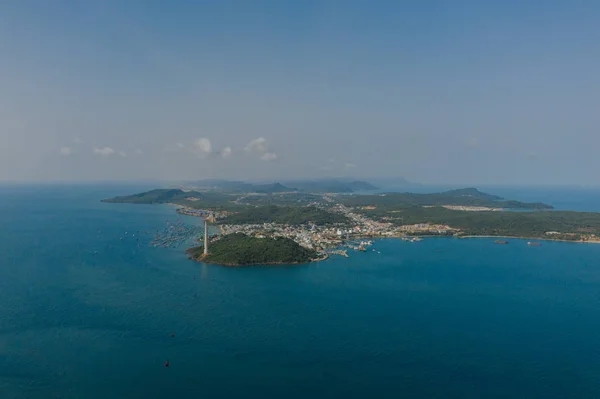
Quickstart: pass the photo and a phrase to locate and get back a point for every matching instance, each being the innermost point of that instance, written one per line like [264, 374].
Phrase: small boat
[534, 244]
[501, 242]
[167, 363]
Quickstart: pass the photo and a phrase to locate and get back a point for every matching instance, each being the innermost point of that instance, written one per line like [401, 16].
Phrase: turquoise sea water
[438, 318]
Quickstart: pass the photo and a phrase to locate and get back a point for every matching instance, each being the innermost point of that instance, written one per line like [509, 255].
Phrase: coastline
[327, 255]
[532, 238]
[476, 236]
[201, 260]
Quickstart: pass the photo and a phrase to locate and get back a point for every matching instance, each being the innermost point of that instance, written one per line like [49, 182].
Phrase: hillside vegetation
[192, 199]
[332, 185]
[517, 224]
[461, 197]
[285, 215]
[241, 250]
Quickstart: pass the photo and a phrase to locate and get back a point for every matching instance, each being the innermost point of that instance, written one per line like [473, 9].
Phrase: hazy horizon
[439, 93]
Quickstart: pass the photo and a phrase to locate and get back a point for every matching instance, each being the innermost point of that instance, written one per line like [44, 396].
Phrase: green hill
[461, 197]
[285, 215]
[192, 199]
[158, 196]
[331, 185]
[241, 250]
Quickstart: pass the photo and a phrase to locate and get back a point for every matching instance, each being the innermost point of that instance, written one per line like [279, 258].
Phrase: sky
[438, 92]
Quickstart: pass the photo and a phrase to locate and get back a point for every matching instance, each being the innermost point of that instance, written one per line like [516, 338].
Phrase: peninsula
[299, 226]
[238, 249]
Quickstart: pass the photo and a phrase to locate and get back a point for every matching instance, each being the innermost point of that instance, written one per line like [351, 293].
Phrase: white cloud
[349, 165]
[179, 145]
[104, 151]
[122, 154]
[226, 152]
[268, 156]
[257, 146]
[260, 148]
[202, 147]
[66, 151]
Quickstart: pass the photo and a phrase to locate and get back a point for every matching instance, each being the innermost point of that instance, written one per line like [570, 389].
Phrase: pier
[341, 252]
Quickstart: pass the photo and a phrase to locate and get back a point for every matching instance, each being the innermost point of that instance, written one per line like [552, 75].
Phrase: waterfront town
[328, 238]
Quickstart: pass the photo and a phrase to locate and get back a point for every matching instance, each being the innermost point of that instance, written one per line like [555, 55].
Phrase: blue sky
[445, 92]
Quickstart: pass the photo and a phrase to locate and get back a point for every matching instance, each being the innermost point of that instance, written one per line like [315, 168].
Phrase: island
[270, 225]
[238, 249]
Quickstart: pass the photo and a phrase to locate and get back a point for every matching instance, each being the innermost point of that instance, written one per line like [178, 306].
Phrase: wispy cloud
[260, 148]
[122, 154]
[258, 145]
[66, 151]
[349, 165]
[202, 147]
[226, 152]
[269, 156]
[138, 151]
[104, 151]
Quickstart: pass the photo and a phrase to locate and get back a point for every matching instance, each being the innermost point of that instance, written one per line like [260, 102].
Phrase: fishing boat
[534, 244]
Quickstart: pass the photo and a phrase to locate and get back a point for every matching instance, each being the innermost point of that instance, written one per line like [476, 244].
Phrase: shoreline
[323, 258]
[327, 255]
[476, 236]
[533, 238]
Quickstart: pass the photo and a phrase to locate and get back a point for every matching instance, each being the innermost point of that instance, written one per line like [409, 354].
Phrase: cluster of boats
[175, 234]
[359, 245]
[530, 243]
[411, 239]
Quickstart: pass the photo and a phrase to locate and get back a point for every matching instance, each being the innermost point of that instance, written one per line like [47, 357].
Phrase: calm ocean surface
[439, 318]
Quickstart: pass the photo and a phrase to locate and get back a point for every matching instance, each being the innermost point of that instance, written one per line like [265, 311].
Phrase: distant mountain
[272, 188]
[217, 184]
[312, 186]
[158, 196]
[393, 183]
[358, 185]
[238, 186]
[332, 185]
[472, 192]
[460, 197]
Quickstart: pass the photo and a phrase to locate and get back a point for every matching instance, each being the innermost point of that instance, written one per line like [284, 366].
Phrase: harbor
[175, 234]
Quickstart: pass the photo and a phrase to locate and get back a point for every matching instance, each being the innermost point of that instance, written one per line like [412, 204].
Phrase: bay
[84, 313]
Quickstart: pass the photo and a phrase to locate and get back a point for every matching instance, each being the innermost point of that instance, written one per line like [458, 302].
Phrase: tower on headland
[205, 236]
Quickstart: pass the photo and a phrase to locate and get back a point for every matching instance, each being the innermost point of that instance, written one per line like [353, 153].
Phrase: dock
[341, 252]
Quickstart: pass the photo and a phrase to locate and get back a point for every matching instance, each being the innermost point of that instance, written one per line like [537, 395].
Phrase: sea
[90, 311]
